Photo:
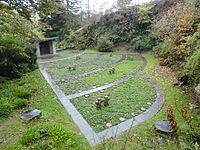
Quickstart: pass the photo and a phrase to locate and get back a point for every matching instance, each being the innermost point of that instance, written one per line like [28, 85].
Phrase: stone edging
[85, 74]
[150, 112]
[140, 68]
[96, 138]
[70, 57]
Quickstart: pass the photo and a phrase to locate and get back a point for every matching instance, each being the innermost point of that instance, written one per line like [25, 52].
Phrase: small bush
[104, 44]
[164, 49]
[20, 103]
[21, 92]
[54, 137]
[30, 137]
[5, 109]
[192, 68]
[144, 42]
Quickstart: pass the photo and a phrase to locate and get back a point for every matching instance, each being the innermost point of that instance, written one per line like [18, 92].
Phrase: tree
[27, 8]
[88, 9]
[122, 4]
[17, 56]
[144, 14]
[13, 23]
[65, 19]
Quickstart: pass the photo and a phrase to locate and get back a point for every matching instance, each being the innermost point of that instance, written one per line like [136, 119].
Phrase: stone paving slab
[96, 138]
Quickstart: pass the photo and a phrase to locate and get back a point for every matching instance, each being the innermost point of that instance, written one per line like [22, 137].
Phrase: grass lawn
[144, 136]
[123, 69]
[59, 69]
[62, 132]
[60, 55]
[64, 63]
[32, 91]
[125, 99]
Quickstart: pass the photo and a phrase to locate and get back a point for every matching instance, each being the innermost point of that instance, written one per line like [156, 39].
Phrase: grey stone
[122, 119]
[133, 114]
[87, 95]
[109, 125]
[32, 114]
[163, 126]
[143, 109]
[193, 106]
[148, 103]
[101, 91]
[197, 89]
[94, 87]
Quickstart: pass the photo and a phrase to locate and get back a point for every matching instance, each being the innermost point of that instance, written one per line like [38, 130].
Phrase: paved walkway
[96, 138]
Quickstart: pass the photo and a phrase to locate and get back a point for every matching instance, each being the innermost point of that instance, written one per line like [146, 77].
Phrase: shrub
[144, 42]
[54, 137]
[30, 137]
[20, 103]
[21, 92]
[16, 56]
[163, 49]
[192, 68]
[6, 109]
[104, 44]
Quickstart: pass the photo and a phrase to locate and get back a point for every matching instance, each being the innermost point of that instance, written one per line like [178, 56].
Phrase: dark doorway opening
[44, 48]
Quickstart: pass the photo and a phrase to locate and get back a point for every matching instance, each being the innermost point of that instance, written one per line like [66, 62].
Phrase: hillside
[161, 26]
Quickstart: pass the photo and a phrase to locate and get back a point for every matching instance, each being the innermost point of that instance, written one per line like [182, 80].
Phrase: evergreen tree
[64, 20]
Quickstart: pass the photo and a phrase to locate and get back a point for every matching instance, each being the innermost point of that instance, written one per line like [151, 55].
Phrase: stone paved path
[95, 138]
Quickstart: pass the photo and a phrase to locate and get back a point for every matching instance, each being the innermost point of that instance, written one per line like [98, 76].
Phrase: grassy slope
[143, 136]
[54, 113]
[43, 99]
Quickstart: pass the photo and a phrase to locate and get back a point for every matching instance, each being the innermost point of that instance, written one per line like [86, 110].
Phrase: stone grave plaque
[163, 126]
[30, 115]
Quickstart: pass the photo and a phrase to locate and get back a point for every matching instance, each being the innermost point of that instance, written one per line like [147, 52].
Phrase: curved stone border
[85, 74]
[93, 59]
[96, 138]
[140, 68]
[70, 57]
[150, 112]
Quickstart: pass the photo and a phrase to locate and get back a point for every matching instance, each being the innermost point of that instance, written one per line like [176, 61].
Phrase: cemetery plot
[104, 77]
[69, 68]
[59, 55]
[77, 60]
[107, 108]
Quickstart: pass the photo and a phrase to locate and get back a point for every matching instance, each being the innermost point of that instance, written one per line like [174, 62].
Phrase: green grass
[60, 55]
[53, 115]
[59, 69]
[123, 69]
[125, 99]
[144, 136]
[17, 133]
[66, 62]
